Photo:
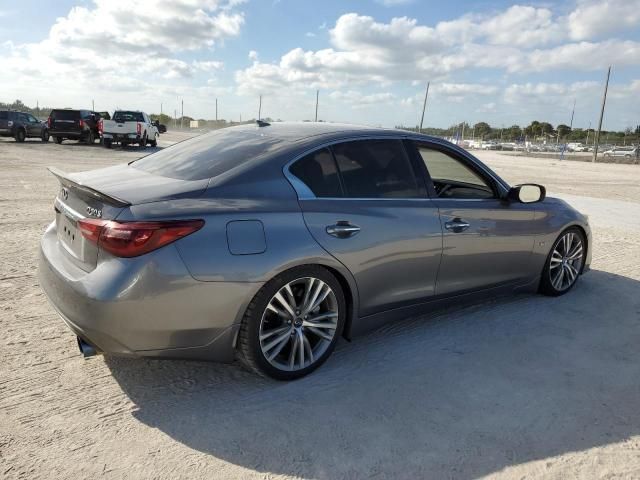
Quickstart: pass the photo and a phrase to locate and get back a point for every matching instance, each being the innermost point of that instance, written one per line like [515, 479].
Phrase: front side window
[375, 169]
[452, 178]
[318, 172]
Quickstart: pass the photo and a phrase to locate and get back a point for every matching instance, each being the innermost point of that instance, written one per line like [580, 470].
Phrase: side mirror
[527, 193]
[155, 123]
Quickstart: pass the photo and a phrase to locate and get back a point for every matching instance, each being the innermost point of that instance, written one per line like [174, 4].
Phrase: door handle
[457, 225]
[343, 229]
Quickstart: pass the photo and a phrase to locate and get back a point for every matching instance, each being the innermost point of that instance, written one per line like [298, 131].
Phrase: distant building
[194, 124]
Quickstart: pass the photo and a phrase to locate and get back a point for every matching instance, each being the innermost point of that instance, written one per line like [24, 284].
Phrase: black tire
[91, 138]
[45, 135]
[249, 352]
[546, 285]
[154, 142]
[59, 140]
[107, 142]
[143, 142]
[21, 135]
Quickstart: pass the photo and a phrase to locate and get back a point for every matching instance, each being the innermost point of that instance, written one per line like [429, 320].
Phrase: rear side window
[65, 115]
[376, 169]
[4, 116]
[209, 155]
[318, 172]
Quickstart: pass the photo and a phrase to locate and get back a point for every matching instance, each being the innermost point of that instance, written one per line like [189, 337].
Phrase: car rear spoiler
[65, 181]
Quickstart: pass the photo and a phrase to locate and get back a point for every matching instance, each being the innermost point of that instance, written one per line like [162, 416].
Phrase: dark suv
[21, 125]
[81, 125]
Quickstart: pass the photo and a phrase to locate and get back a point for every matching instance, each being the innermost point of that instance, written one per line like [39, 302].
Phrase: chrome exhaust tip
[86, 349]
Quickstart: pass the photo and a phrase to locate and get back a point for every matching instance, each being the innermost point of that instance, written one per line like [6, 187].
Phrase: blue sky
[496, 61]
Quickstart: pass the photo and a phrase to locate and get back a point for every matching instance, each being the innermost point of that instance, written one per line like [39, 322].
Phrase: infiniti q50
[267, 243]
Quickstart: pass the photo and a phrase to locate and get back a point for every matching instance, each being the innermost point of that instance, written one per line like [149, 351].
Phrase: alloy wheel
[298, 324]
[566, 261]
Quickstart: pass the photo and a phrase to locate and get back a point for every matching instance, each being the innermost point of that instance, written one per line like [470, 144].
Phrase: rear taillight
[138, 129]
[81, 123]
[100, 126]
[49, 122]
[131, 239]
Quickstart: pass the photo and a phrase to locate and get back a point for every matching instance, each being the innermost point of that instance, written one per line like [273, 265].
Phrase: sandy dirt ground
[520, 387]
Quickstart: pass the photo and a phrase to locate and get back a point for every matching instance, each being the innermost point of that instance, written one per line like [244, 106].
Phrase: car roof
[295, 131]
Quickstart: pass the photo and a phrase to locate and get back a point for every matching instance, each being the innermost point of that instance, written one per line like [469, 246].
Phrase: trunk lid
[104, 194]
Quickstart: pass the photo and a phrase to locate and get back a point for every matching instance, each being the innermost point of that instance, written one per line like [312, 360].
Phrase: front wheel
[91, 138]
[293, 324]
[59, 140]
[564, 264]
[45, 135]
[154, 142]
[143, 142]
[107, 142]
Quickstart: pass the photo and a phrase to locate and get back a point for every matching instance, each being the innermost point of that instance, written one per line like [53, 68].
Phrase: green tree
[563, 130]
[482, 129]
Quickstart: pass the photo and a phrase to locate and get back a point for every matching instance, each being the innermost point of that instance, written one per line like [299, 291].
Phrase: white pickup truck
[128, 127]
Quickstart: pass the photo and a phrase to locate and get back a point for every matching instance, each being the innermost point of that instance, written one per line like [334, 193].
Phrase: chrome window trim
[305, 193]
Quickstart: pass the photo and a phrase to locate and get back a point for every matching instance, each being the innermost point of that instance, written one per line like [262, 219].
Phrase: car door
[487, 241]
[34, 128]
[363, 203]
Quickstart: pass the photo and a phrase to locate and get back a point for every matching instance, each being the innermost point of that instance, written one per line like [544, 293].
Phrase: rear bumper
[148, 306]
[73, 135]
[121, 137]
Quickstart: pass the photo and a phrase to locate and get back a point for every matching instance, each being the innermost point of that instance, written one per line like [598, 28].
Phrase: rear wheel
[20, 135]
[564, 264]
[293, 324]
[107, 142]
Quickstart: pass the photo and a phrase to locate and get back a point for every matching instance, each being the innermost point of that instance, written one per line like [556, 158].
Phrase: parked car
[129, 127]
[21, 125]
[627, 152]
[161, 127]
[268, 243]
[81, 125]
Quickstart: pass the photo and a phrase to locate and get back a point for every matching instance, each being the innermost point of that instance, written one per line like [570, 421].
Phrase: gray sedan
[267, 243]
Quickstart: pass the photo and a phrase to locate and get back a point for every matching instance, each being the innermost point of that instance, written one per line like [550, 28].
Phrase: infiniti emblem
[64, 193]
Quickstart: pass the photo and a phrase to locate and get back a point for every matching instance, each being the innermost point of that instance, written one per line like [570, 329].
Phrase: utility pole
[424, 106]
[181, 112]
[93, 107]
[175, 118]
[587, 140]
[259, 107]
[604, 101]
[317, 95]
[462, 135]
[216, 110]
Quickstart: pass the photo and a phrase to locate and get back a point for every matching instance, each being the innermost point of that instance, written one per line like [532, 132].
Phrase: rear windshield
[65, 114]
[128, 117]
[208, 155]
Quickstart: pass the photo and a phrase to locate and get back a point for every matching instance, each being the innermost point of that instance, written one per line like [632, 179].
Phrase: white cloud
[310, 34]
[107, 47]
[591, 19]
